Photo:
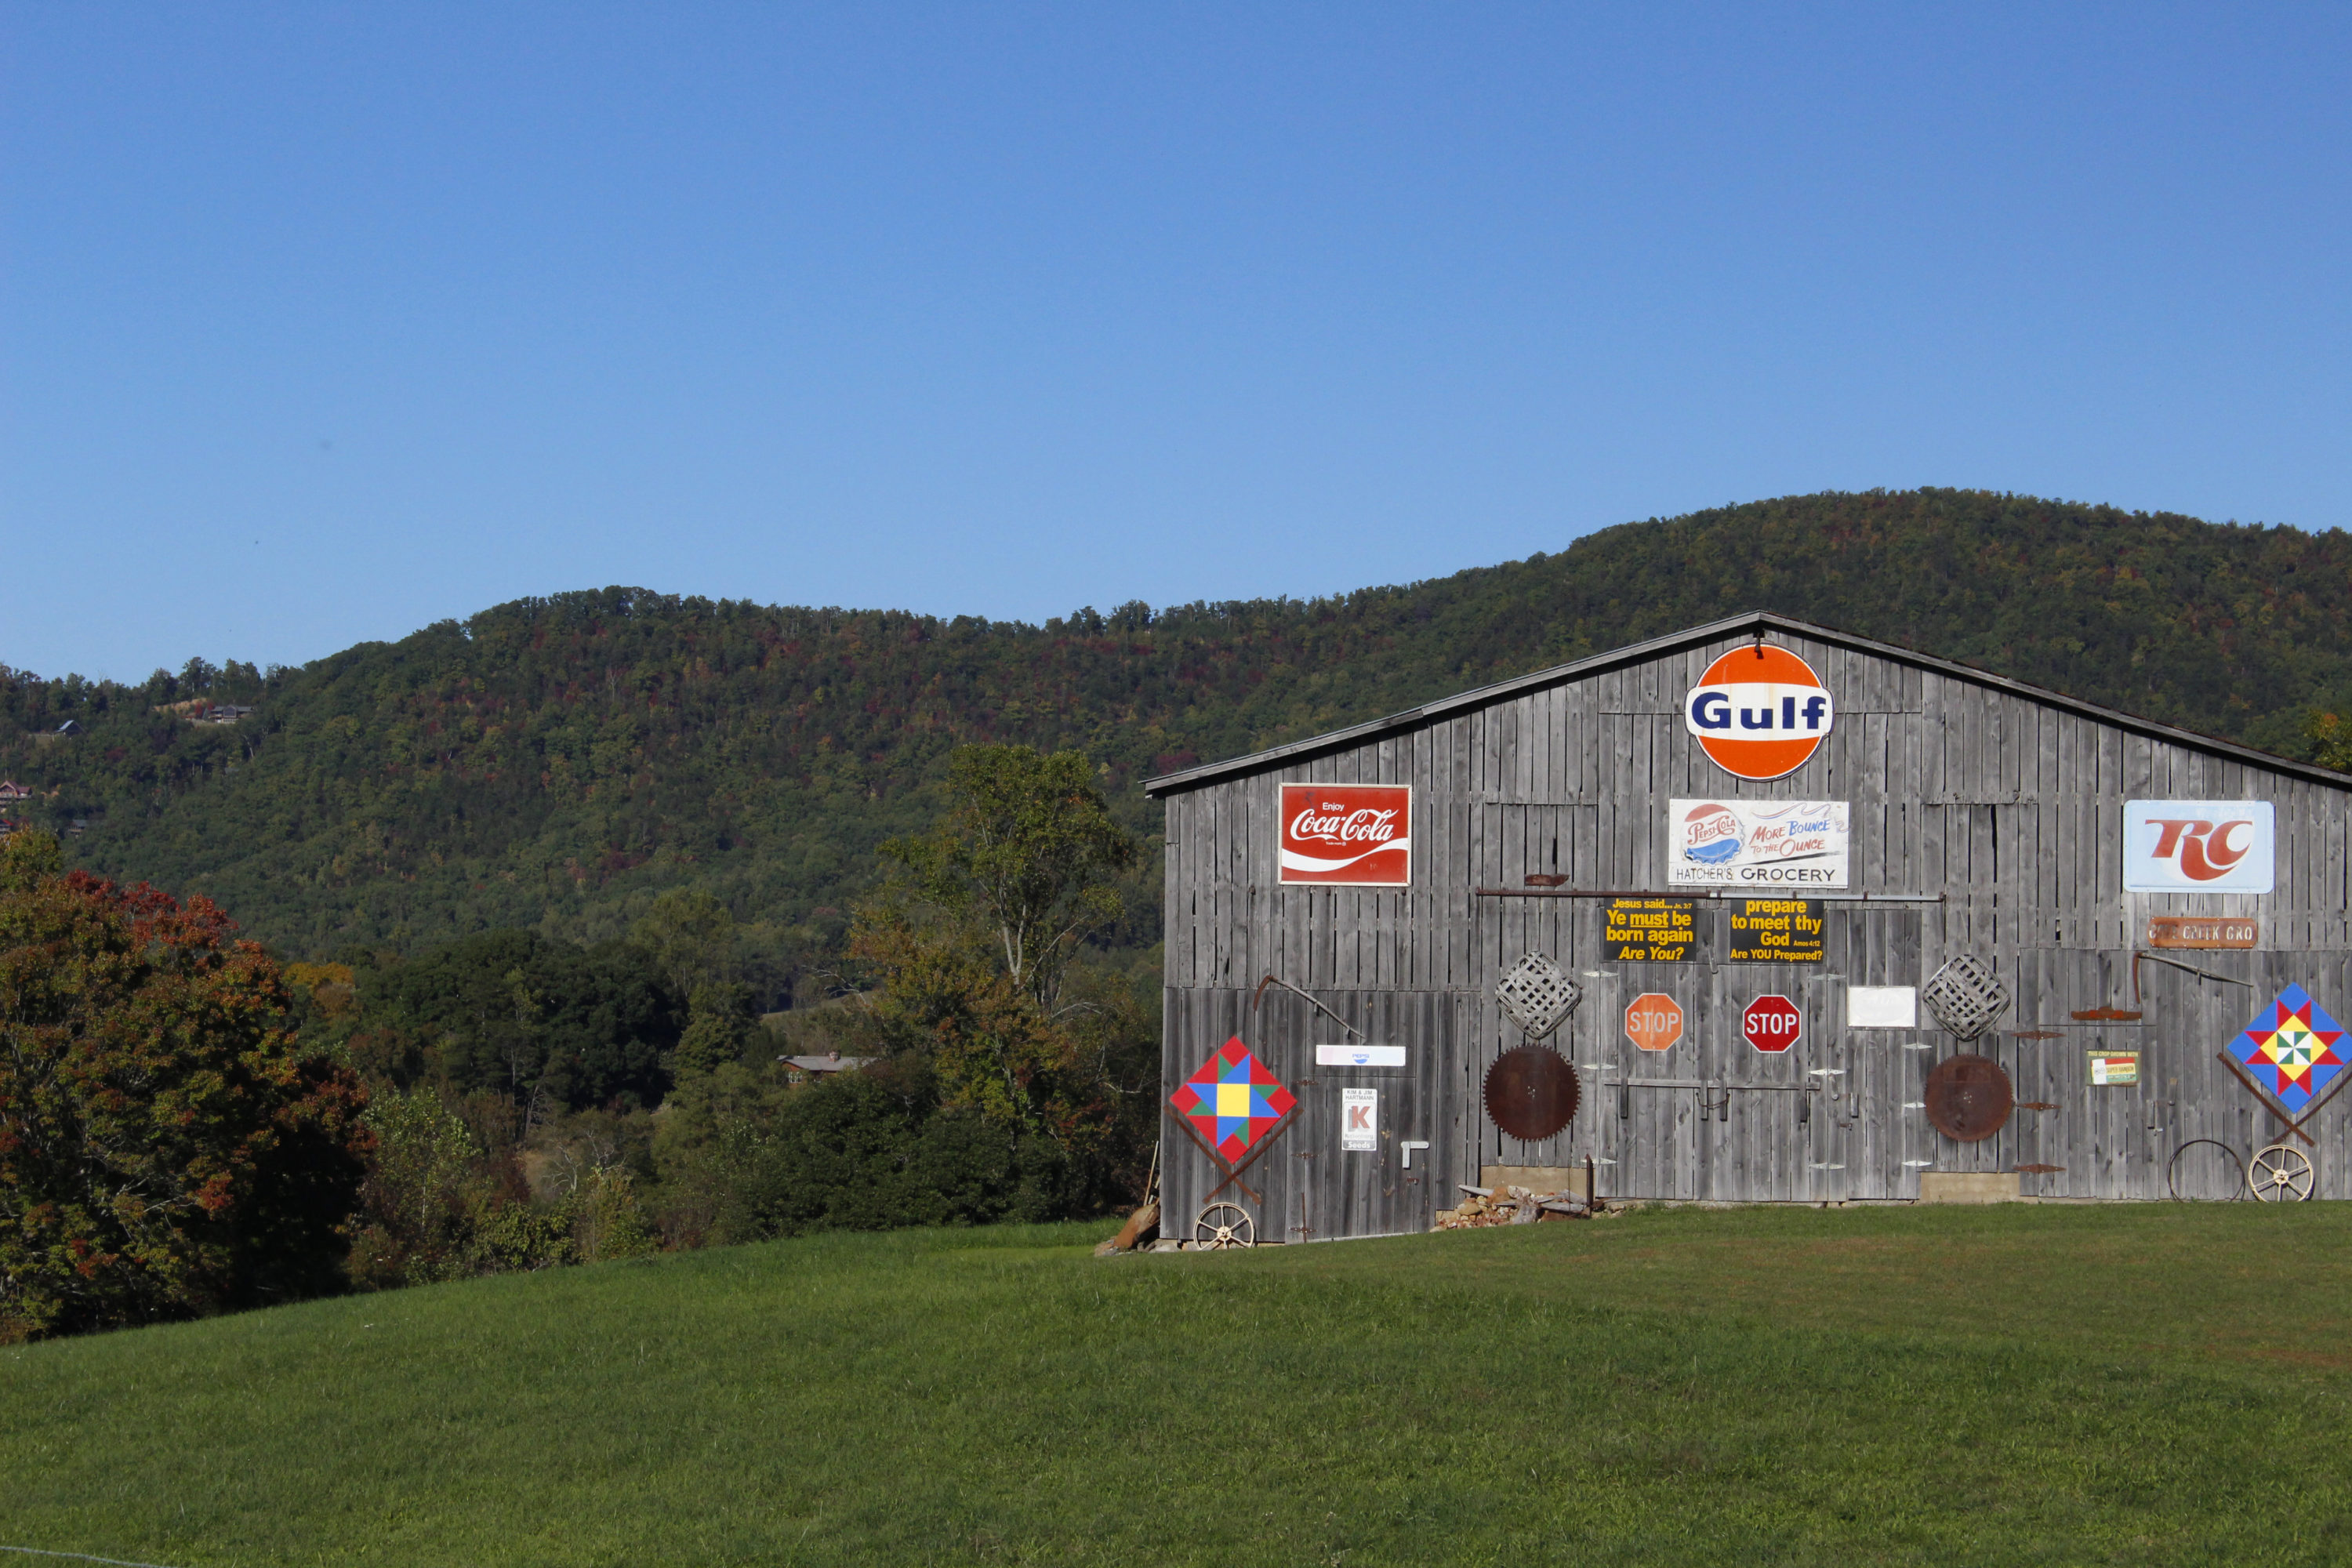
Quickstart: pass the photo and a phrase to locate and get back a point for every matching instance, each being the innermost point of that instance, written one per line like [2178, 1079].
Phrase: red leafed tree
[167, 1149]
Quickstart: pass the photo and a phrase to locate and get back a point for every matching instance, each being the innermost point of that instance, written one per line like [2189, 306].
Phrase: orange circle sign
[1654, 1021]
[1759, 712]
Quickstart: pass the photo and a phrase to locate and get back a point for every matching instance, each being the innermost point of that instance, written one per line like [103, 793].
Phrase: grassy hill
[2146, 1385]
[554, 762]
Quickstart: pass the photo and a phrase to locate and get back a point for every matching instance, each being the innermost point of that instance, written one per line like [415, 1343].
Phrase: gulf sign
[1759, 712]
[2198, 846]
[1353, 835]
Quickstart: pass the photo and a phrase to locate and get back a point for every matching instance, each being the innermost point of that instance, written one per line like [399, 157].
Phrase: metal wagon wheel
[2281, 1174]
[1222, 1225]
[2172, 1168]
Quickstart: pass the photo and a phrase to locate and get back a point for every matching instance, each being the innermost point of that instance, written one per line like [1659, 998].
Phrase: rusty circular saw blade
[1531, 1092]
[1968, 1097]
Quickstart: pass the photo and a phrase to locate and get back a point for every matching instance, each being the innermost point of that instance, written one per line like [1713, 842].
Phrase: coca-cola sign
[1358, 834]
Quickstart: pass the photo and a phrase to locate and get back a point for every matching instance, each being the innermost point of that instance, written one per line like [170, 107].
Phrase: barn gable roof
[1737, 625]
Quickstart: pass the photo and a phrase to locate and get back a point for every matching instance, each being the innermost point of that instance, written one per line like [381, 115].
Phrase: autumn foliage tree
[975, 947]
[167, 1146]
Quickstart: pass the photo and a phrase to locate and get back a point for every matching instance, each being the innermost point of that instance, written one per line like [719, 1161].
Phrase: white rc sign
[2197, 845]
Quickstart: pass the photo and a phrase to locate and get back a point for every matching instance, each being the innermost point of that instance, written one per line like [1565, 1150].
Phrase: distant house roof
[70, 728]
[832, 1061]
[11, 790]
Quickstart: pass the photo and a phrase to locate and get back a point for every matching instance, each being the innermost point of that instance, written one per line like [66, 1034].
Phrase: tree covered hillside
[553, 763]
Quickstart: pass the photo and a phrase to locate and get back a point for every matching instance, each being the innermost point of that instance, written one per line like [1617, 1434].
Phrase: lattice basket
[1537, 996]
[1965, 997]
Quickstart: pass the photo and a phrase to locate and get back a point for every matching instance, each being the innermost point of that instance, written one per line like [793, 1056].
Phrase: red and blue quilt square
[2292, 1047]
[1233, 1100]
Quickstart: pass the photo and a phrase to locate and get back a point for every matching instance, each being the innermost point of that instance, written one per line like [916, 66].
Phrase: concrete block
[1967, 1188]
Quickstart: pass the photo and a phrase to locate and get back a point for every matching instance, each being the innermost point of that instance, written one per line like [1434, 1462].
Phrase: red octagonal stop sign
[1771, 1024]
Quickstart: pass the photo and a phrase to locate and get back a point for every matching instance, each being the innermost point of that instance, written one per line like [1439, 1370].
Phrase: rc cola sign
[1759, 712]
[2197, 847]
[1352, 834]
[1792, 844]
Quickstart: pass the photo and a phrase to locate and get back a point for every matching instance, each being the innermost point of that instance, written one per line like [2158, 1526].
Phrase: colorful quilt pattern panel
[1233, 1100]
[2292, 1047]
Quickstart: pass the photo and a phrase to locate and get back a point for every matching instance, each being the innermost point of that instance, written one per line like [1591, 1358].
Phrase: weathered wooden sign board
[2185, 930]
[1778, 931]
[1657, 930]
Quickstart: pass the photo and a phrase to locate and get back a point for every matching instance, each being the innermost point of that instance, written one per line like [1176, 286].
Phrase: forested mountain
[552, 763]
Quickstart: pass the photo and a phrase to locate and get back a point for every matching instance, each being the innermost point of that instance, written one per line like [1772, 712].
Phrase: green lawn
[2006, 1385]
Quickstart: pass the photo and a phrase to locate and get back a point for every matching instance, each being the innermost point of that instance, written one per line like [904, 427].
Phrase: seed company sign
[1350, 835]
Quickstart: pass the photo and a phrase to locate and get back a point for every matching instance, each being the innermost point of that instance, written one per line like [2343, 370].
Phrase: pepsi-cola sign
[1760, 711]
[1763, 844]
[1354, 834]
[2198, 846]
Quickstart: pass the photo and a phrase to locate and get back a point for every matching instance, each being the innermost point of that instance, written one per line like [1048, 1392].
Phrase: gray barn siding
[2008, 806]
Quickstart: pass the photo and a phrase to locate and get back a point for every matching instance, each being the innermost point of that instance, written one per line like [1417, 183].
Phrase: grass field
[2141, 1384]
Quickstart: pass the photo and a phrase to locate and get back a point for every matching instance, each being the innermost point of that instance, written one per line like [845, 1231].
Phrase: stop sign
[1654, 1021]
[1771, 1024]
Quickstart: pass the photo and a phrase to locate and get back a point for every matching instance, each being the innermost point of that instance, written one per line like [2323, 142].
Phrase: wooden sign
[1777, 930]
[1657, 931]
[2184, 930]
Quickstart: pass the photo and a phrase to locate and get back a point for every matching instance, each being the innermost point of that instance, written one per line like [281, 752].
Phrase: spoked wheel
[1222, 1225]
[2281, 1174]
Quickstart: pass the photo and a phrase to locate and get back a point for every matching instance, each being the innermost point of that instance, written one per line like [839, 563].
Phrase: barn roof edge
[1755, 620]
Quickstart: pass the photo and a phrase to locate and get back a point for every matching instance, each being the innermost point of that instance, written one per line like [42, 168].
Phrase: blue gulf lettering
[1756, 718]
[1710, 711]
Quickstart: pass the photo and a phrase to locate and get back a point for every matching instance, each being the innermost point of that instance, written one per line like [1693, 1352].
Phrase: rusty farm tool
[1233, 1169]
[2294, 1124]
[1531, 1092]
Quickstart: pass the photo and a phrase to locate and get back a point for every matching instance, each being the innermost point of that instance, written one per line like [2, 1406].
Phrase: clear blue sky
[322, 323]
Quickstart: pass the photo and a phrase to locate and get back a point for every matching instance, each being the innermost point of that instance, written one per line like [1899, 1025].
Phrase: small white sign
[1359, 1120]
[2197, 845]
[1882, 1007]
[1359, 1055]
[1763, 844]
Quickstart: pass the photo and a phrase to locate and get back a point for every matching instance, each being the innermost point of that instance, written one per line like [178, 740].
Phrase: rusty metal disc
[1968, 1097]
[1531, 1092]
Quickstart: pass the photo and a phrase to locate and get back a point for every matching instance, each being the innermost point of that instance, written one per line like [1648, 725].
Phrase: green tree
[1028, 849]
[168, 1147]
[721, 1026]
[690, 934]
[2331, 741]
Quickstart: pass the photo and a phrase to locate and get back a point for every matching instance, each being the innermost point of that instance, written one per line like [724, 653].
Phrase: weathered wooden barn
[1934, 867]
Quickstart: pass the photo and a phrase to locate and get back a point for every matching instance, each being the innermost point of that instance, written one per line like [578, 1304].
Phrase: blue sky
[322, 323]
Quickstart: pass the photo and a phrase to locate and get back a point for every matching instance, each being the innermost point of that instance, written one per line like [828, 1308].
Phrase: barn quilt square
[2292, 1047]
[1233, 1100]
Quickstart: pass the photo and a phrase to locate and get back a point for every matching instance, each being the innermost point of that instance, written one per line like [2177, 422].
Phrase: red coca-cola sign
[1358, 834]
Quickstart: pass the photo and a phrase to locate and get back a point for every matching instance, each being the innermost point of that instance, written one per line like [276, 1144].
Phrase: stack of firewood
[1509, 1205]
